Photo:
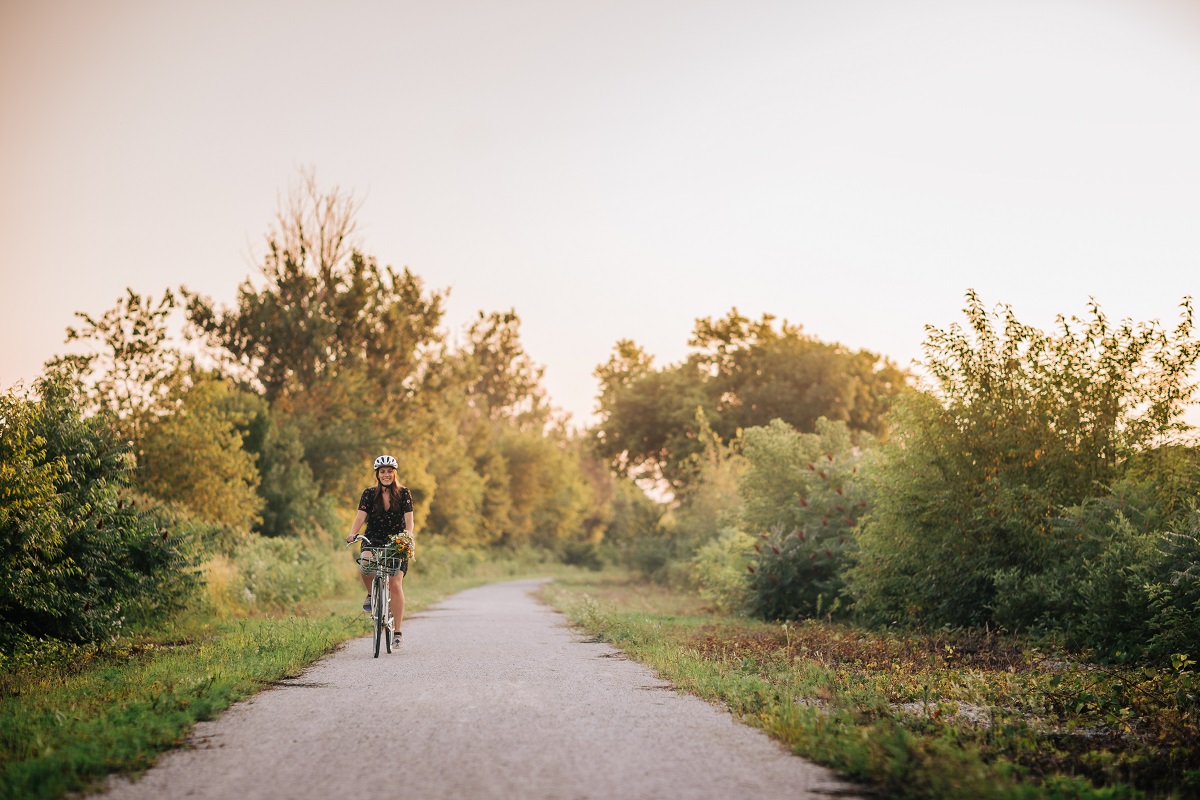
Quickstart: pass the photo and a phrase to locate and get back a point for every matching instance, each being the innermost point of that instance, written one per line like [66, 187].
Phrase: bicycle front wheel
[386, 616]
[380, 618]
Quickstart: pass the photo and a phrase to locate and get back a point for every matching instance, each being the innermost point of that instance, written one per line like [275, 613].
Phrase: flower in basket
[403, 544]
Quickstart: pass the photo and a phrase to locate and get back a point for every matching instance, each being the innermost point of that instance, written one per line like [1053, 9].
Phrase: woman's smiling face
[386, 475]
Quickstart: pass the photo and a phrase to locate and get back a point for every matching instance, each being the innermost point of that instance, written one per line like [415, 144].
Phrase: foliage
[657, 553]
[1022, 425]
[586, 554]
[665, 542]
[130, 366]
[1116, 588]
[77, 556]
[283, 573]
[633, 513]
[336, 343]
[499, 472]
[324, 308]
[193, 454]
[742, 374]
[647, 415]
[304, 327]
[803, 497]
[502, 380]
[1175, 598]
[718, 571]
[546, 489]
[291, 501]
[711, 503]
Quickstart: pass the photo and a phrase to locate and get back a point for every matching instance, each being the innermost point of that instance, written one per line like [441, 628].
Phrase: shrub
[718, 571]
[651, 555]
[283, 572]
[1022, 424]
[803, 497]
[78, 558]
[1091, 586]
[1175, 596]
[581, 554]
[1119, 590]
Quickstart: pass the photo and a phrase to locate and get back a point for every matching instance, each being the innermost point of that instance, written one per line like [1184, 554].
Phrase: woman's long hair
[393, 492]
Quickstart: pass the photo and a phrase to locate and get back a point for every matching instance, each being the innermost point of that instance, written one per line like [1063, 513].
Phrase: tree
[193, 455]
[760, 373]
[497, 464]
[1020, 426]
[546, 489]
[128, 371]
[742, 374]
[305, 327]
[334, 342]
[503, 381]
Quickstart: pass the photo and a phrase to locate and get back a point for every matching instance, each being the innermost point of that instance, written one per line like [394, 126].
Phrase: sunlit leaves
[1021, 424]
[743, 373]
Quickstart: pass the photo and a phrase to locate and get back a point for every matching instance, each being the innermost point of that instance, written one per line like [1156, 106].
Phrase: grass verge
[80, 714]
[947, 716]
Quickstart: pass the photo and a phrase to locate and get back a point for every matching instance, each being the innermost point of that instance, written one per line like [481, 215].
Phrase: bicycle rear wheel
[377, 593]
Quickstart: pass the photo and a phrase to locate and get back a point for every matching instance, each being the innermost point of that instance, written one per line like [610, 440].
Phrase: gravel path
[491, 695]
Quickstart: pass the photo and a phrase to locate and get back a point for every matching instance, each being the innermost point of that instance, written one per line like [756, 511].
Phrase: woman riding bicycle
[387, 509]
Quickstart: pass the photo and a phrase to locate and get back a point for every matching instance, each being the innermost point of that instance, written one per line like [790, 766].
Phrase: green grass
[72, 716]
[944, 716]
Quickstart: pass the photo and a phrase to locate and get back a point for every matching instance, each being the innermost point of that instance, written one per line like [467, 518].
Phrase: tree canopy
[743, 374]
[1021, 426]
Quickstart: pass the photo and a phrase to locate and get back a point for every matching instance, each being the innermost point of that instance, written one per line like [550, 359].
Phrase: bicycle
[382, 562]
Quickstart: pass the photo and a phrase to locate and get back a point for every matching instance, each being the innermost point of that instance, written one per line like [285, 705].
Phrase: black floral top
[384, 522]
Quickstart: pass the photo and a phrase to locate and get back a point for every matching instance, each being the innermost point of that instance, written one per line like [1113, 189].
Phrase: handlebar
[360, 538]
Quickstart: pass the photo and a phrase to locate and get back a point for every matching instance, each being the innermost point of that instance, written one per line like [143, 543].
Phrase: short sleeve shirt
[384, 522]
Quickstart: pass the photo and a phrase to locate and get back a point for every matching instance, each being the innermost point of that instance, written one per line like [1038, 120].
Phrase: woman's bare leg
[396, 588]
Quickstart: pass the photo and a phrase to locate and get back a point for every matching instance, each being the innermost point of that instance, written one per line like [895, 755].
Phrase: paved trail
[491, 696]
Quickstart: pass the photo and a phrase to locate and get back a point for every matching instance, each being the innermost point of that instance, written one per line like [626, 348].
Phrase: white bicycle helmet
[385, 461]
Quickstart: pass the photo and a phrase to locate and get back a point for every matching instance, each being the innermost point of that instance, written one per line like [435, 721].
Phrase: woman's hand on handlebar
[352, 538]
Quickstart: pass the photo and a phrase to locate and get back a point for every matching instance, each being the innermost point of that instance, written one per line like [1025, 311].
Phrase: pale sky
[612, 169]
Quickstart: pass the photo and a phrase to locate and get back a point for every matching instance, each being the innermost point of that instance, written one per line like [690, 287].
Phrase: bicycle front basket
[390, 564]
[383, 560]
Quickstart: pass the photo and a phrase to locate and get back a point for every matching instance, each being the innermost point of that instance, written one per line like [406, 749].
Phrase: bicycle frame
[382, 563]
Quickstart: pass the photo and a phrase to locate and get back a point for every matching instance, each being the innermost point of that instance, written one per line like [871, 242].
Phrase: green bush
[1118, 590]
[78, 557]
[283, 572]
[1175, 597]
[803, 497]
[588, 555]
[650, 555]
[1022, 425]
[718, 571]
[633, 513]
[1091, 586]
[439, 560]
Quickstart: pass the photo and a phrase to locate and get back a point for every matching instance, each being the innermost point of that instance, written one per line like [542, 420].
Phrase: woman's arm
[359, 519]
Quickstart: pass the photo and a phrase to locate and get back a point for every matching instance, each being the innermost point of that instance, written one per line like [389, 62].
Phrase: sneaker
[367, 604]
[396, 640]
